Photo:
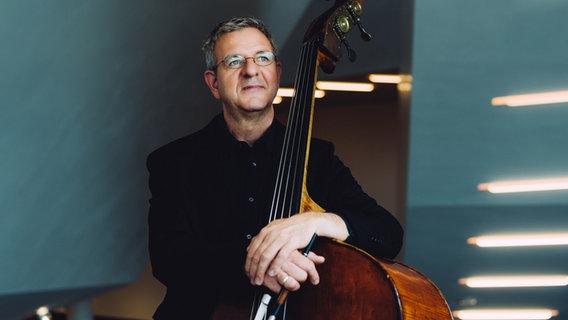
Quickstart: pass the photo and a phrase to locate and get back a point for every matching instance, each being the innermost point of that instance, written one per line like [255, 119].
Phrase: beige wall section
[136, 301]
[366, 138]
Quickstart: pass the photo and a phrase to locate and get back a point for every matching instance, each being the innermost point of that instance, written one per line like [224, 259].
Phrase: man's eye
[233, 61]
[262, 58]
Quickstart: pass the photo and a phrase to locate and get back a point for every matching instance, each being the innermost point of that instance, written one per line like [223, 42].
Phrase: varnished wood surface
[356, 286]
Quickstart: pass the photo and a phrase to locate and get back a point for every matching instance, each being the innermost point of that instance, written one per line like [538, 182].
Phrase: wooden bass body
[356, 285]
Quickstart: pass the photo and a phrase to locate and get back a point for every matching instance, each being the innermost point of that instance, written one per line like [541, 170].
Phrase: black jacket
[211, 194]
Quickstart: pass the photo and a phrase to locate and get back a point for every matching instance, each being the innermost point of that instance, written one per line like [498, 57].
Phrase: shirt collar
[269, 139]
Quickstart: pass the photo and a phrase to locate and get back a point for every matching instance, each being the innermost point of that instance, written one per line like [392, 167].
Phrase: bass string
[289, 180]
[288, 187]
[302, 106]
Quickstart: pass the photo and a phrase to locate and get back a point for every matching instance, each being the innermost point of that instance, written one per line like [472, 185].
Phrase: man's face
[251, 87]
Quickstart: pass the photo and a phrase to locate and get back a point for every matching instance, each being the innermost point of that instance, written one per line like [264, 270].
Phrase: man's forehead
[250, 39]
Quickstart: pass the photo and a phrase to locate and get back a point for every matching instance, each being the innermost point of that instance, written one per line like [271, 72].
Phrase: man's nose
[250, 66]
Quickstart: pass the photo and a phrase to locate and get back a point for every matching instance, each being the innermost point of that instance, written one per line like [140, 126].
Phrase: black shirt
[211, 194]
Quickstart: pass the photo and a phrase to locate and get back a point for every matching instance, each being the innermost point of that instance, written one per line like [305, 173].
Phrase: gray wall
[465, 53]
[87, 89]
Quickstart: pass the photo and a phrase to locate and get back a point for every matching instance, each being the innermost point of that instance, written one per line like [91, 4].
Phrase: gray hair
[231, 25]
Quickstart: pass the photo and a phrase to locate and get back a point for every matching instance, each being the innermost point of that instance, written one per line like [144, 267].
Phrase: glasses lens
[234, 61]
[264, 58]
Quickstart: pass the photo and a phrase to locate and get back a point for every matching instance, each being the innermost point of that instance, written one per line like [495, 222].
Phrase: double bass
[353, 283]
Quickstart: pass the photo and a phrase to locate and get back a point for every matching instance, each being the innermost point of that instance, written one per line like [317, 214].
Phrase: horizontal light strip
[520, 240]
[42, 311]
[531, 99]
[289, 92]
[345, 86]
[515, 281]
[389, 78]
[505, 314]
[285, 92]
[524, 185]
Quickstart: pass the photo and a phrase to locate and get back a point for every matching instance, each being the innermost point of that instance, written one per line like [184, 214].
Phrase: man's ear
[210, 78]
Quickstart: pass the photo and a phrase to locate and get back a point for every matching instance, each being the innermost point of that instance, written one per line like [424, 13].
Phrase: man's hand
[295, 272]
[274, 258]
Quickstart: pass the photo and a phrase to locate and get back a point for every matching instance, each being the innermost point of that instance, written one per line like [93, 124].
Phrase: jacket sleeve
[331, 184]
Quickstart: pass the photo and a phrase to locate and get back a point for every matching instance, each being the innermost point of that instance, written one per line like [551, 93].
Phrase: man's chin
[257, 107]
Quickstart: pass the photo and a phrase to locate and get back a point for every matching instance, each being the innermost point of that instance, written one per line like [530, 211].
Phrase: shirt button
[249, 236]
[251, 199]
[253, 163]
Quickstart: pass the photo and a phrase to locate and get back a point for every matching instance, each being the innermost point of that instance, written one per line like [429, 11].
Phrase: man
[212, 191]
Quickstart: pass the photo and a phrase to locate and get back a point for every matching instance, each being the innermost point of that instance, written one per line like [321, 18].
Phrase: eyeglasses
[236, 61]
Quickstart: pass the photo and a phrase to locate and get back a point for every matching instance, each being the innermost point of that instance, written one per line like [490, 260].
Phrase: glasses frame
[242, 60]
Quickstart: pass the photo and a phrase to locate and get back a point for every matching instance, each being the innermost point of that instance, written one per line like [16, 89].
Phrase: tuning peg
[341, 27]
[351, 54]
[355, 10]
[364, 34]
